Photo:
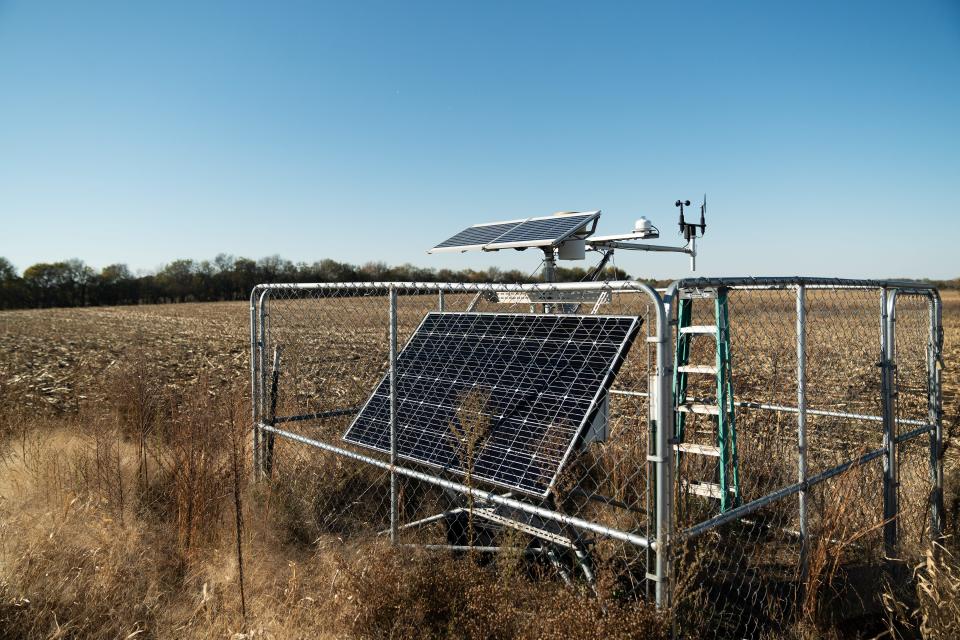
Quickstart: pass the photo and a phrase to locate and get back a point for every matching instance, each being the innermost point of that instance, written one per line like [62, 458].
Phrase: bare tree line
[73, 283]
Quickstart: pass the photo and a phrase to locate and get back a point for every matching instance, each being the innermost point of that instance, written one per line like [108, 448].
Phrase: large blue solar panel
[505, 396]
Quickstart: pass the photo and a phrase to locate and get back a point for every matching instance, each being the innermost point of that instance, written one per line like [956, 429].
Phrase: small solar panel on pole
[546, 232]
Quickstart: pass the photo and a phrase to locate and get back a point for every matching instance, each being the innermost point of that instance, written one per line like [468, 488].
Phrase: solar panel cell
[545, 231]
[515, 390]
[533, 232]
[478, 235]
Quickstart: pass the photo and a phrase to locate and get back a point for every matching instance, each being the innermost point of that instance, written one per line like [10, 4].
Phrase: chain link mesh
[332, 348]
[320, 352]
[757, 575]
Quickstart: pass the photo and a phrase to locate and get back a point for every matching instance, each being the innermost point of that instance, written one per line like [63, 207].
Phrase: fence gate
[834, 388]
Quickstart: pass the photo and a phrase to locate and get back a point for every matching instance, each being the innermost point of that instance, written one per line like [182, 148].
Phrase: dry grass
[117, 521]
[117, 503]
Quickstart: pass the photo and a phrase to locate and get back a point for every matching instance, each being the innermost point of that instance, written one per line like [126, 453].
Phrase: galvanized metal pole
[802, 419]
[549, 262]
[255, 436]
[934, 416]
[441, 303]
[887, 335]
[393, 416]
[262, 363]
[664, 452]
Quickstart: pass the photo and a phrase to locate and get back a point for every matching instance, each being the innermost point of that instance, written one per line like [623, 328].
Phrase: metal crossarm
[725, 486]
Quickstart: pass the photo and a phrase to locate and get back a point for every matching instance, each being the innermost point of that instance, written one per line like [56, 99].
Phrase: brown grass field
[125, 459]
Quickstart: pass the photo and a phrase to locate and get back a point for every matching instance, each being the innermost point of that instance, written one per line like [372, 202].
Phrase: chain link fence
[819, 419]
[837, 423]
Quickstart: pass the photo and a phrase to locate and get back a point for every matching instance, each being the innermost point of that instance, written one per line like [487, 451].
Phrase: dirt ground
[53, 358]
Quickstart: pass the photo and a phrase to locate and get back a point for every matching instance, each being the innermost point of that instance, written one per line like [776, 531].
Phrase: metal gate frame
[932, 427]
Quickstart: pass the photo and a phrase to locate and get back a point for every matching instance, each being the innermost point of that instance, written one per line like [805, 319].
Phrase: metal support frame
[549, 264]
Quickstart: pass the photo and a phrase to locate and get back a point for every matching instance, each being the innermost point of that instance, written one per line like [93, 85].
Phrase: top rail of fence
[613, 285]
[926, 288]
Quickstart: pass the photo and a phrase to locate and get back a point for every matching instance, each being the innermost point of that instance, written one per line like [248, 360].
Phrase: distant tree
[13, 293]
[73, 283]
[116, 285]
[79, 278]
[47, 283]
[374, 271]
[7, 270]
[275, 269]
[176, 281]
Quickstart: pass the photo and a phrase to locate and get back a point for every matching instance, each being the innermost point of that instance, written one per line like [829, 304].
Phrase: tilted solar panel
[504, 396]
[478, 235]
[532, 232]
[541, 231]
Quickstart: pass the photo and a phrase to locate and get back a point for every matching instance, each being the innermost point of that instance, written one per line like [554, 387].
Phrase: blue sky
[825, 134]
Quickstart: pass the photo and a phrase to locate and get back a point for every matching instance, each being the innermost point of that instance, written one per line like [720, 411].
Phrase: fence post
[262, 378]
[802, 420]
[664, 454]
[934, 416]
[393, 415]
[888, 341]
[441, 303]
[255, 451]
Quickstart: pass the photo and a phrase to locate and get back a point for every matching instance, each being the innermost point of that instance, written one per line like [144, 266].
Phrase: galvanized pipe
[394, 507]
[759, 503]
[262, 378]
[910, 435]
[802, 419]
[320, 415]
[422, 521]
[890, 474]
[750, 507]
[934, 415]
[255, 435]
[616, 534]
[810, 283]
[664, 459]
[461, 547]
[747, 404]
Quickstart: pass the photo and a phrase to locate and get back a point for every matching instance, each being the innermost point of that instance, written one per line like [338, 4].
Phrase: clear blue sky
[826, 134]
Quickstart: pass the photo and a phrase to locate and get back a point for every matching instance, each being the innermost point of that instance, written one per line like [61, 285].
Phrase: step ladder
[725, 485]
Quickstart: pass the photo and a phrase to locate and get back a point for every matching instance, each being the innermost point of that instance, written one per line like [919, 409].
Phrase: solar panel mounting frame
[577, 433]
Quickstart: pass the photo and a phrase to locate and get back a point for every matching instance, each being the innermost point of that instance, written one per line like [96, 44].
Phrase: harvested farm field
[125, 481]
[55, 359]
